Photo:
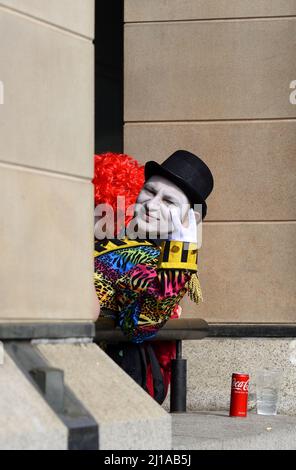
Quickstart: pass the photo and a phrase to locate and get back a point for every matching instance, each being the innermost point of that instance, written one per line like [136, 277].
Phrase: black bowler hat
[188, 172]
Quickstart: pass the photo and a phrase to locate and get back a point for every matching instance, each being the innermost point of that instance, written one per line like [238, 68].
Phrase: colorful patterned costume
[142, 282]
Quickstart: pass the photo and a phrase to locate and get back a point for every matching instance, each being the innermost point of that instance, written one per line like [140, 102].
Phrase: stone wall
[212, 361]
[46, 160]
[214, 78]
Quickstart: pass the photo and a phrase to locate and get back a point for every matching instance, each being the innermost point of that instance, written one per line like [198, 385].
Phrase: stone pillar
[46, 162]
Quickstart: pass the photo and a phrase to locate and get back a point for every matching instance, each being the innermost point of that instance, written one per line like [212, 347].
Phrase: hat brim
[153, 168]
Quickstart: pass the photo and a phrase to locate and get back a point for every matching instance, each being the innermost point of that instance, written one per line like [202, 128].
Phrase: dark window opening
[109, 76]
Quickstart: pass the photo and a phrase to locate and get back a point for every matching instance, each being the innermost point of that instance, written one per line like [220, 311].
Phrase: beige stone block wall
[72, 15]
[46, 119]
[212, 361]
[247, 272]
[213, 78]
[46, 246]
[46, 160]
[209, 70]
[165, 10]
[253, 162]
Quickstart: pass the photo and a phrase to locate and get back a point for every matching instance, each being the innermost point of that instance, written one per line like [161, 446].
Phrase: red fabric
[176, 313]
[165, 351]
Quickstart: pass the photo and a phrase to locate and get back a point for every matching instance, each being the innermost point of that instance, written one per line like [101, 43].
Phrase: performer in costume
[141, 279]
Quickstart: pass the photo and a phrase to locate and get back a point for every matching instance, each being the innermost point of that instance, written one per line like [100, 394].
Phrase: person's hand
[176, 313]
[96, 307]
[181, 233]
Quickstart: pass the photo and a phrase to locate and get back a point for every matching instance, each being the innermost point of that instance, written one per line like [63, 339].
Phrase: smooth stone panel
[217, 431]
[127, 416]
[211, 363]
[74, 15]
[46, 120]
[46, 239]
[253, 163]
[209, 70]
[165, 10]
[247, 273]
[26, 420]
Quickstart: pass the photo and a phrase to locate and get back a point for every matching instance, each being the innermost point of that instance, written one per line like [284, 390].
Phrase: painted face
[155, 203]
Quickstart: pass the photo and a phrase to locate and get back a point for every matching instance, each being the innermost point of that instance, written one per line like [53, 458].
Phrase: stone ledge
[26, 421]
[61, 330]
[252, 330]
[217, 431]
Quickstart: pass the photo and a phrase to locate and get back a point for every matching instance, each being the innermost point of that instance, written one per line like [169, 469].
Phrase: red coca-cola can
[239, 395]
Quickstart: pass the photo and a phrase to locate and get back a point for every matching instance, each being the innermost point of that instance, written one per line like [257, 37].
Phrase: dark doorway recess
[109, 76]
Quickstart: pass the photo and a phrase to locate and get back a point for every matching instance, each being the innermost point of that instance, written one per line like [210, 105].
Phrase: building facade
[215, 78]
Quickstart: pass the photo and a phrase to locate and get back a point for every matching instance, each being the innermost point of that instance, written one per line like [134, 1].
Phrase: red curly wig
[117, 174]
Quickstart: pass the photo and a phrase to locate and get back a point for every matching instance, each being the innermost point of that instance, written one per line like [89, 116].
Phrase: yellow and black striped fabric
[105, 246]
[178, 255]
[173, 254]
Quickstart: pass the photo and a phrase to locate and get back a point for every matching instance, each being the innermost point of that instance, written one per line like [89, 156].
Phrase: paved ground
[216, 430]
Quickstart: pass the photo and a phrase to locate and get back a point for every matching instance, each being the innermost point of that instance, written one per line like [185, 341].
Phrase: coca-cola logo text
[240, 386]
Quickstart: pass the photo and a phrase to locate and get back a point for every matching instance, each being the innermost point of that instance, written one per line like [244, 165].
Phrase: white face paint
[155, 203]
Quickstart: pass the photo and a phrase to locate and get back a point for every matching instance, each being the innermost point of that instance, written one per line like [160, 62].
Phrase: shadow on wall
[109, 76]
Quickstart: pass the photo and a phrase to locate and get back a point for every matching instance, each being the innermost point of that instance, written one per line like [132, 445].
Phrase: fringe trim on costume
[171, 280]
[194, 289]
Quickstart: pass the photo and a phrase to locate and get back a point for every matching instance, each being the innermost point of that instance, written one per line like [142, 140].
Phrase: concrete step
[217, 431]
